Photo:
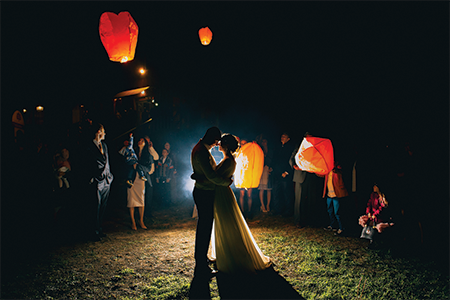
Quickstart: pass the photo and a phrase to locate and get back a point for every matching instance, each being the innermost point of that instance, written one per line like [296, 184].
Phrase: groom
[206, 179]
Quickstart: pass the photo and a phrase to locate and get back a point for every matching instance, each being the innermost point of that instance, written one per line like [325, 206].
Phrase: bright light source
[24, 110]
[39, 108]
[143, 92]
[153, 101]
[124, 59]
[142, 71]
[156, 104]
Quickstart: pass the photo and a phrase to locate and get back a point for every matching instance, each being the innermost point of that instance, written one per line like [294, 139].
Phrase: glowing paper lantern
[205, 35]
[119, 35]
[249, 166]
[315, 155]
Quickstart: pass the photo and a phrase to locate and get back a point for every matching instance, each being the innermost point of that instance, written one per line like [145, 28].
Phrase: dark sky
[369, 69]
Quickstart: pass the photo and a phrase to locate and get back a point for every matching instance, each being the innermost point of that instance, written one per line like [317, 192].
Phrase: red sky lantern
[205, 35]
[315, 155]
[249, 166]
[119, 35]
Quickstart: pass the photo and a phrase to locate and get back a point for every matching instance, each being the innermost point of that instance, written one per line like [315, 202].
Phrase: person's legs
[336, 204]
[133, 223]
[261, 199]
[331, 212]
[204, 201]
[103, 195]
[269, 195]
[241, 199]
[298, 193]
[141, 216]
[249, 195]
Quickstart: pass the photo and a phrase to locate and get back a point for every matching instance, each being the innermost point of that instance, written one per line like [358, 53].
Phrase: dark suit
[203, 165]
[100, 179]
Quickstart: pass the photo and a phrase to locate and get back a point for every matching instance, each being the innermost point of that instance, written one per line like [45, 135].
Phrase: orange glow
[142, 71]
[143, 92]
[119, 35]
[39, 108]
[205, 35]
[315, 155]
[249, 166]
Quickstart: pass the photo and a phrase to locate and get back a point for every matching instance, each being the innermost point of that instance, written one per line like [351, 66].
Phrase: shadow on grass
[267, 284]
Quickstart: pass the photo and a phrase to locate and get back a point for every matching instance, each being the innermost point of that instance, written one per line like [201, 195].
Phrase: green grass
[320, 267]
[167, 287]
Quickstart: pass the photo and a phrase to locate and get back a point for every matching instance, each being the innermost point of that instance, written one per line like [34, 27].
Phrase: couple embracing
[220, 220]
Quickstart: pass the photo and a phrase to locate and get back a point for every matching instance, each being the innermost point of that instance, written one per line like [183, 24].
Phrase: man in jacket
[100, 179]
[203, 165]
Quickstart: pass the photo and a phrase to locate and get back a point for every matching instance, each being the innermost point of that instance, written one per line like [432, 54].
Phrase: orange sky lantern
[119, 35]
[205, 35]
[249, 166]
[315, 155]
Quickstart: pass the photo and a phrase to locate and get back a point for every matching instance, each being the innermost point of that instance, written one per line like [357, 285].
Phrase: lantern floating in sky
[249, 166]
[205, 35]
[119, 35]
[315, 155]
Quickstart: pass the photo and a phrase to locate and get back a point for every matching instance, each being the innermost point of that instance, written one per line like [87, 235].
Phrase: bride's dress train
[233, 247]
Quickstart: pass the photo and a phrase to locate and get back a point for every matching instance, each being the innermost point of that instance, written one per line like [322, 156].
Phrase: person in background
[131, 159]
[136, 194]
[282, 177]
[265, 184]
[163, 176]
[376, 212]
[174, 181]
[300, 209]
[150, 179]
[334, 189]
[100, 179]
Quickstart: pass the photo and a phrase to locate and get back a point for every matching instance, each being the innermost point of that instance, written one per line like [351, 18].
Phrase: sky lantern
[205, 35]
[315, 155]
[119, 35]
[249, 166]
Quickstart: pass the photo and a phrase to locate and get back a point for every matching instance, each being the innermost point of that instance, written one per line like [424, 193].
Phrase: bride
[232, 247]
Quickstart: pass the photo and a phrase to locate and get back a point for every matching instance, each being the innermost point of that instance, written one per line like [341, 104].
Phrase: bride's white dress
[232, 244]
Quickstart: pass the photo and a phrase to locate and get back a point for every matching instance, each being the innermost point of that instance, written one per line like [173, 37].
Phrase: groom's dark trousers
[204, 199]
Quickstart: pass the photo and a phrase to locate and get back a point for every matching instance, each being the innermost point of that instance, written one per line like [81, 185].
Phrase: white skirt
[136, 194]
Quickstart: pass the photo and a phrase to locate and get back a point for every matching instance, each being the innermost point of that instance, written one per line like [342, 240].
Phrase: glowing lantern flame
[205, 35]
[119, 35]
[315, 155]
[249, 166]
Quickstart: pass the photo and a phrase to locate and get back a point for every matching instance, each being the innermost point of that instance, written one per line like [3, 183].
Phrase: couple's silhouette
[223, 236]
[220, 221]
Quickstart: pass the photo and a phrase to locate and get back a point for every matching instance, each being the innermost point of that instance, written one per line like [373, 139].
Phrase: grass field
[158, 264]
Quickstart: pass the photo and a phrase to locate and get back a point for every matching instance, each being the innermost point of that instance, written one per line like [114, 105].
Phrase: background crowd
[45, 173]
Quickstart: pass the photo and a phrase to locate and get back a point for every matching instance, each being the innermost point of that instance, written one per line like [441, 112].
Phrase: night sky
[345, 70]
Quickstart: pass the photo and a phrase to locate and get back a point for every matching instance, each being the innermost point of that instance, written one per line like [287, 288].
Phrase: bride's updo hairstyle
[230, 143]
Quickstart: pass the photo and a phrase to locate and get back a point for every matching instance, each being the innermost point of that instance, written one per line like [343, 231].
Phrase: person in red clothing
[376, 204]
[334, 190]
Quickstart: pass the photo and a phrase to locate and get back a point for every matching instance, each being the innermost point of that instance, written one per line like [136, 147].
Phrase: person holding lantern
[334, 189]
